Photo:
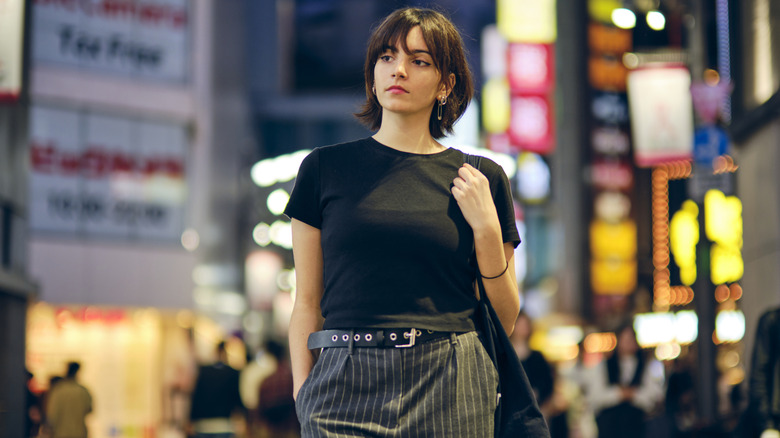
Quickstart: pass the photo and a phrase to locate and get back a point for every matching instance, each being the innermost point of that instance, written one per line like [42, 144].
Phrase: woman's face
[522, 328]
[627, 344]
[408, 83]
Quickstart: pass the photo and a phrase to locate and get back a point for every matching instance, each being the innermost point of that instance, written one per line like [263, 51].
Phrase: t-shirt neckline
[387, 149]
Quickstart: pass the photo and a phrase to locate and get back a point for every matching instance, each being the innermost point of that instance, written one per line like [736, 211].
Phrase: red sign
[531, 125]
[530, 68]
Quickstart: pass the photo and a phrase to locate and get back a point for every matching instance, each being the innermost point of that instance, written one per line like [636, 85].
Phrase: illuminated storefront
[139, 364]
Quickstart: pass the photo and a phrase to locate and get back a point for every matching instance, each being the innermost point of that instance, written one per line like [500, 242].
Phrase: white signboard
[11, 38]
[146, 39]
[661, 114]
[105, 176]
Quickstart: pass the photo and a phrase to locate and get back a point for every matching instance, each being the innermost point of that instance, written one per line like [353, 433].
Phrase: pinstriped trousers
[442, 388]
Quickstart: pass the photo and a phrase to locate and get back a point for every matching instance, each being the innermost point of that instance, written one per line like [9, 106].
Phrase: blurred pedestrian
[680, 400]
[625, 388]
[763, 414]
[259, 366]
[382, 238]
[45, 430]
[215, 398]
[276, 406]
[541, 375]
[575, 376]
[67, 406]
[33, 409]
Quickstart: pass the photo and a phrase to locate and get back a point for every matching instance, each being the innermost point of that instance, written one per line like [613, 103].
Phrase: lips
[396, 89]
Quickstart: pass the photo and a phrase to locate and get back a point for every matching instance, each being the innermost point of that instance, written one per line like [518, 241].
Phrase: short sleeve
[304, 203]
[502, 197]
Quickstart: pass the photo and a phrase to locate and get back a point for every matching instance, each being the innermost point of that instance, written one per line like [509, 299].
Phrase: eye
[385, 58]
[421, 63]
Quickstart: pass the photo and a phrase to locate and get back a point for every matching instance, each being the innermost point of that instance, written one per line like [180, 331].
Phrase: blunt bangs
[393, 33]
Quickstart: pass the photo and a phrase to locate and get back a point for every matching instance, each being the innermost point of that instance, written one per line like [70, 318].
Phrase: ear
[447, 85]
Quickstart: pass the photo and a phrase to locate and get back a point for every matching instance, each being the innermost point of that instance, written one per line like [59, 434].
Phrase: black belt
[381, 338]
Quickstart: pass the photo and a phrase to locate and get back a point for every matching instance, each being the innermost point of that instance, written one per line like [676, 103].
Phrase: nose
[400, 70]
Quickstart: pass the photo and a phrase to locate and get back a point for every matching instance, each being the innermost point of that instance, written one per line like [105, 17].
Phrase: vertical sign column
[613, 233]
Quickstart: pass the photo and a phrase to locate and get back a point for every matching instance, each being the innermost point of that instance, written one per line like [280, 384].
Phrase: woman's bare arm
[472, 192]
[306, 315]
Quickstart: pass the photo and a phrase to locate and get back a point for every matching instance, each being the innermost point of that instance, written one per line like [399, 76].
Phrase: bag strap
[474, 161]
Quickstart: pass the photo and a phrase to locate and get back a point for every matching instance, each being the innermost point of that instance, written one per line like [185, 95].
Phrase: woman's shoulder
[342, 148]
[334, 153]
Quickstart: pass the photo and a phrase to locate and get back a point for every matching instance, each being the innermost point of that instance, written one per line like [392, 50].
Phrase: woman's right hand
[296, 390]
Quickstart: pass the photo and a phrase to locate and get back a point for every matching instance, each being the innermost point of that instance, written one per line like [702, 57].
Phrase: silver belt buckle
[411, 335]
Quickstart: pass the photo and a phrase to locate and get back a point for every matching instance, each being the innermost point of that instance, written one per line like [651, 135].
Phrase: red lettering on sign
[117, 8]
[174, 167]
[70, 163]
[122, 162]
[95, 162]
[99, 162]
[147, 13]
[42, 157]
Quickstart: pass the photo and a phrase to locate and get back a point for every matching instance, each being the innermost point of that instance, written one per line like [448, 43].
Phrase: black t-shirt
[395, 245]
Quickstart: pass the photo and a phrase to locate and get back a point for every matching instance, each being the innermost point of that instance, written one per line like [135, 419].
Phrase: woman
[384, 229]
[626, 387]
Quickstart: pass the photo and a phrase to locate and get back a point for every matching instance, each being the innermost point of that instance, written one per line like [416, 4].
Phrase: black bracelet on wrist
[502, 273]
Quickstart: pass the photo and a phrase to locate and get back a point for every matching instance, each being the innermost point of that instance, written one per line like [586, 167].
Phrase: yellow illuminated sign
[613, 240]
[723, 225]
[726, 264]
[683, 237]
[601, 10]
[527, 21]
[613, 276]
[496, 105]
[723, 218]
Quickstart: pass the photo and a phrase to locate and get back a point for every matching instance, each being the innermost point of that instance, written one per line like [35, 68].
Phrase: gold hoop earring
[440, 109]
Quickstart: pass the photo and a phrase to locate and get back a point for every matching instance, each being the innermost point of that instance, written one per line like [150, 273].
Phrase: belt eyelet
[369, 337]
[334, 338]
[345, 338]
[393, 336]
[357, 337]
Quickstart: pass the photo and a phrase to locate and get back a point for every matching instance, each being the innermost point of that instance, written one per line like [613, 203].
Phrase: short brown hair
[449, 56]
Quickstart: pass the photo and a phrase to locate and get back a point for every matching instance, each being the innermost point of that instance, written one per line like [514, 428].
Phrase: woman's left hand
[471, 190]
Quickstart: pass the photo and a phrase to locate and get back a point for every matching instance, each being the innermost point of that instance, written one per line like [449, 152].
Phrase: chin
[402, 110]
